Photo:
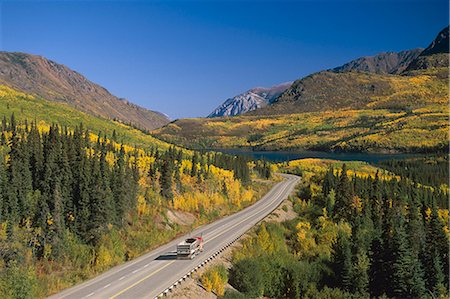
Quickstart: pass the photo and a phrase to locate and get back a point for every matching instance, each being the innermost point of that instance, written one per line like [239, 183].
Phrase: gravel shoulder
[192, 288]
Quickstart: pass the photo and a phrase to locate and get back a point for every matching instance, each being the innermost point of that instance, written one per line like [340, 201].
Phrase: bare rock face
[250, 100]
[439, 45]
[383, 63]
[53, 81]
[435, 55]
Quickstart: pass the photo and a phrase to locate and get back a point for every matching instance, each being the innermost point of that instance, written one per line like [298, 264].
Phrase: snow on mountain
[250, 100]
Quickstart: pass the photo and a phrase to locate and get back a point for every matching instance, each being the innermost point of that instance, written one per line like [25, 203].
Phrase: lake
[281, 156]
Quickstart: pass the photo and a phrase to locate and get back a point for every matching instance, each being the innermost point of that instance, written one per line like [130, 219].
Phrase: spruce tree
[166, 179]
[342, 263]
[436, 248]
[437, 281]
[195, 160]
[83, 197]
[360, 283]
[120, 186]
[105, 187]
[328, 182]
[344, 196]
[98, 205]
[177, 177]
[19, 177]
[407, 274]
[36, 155]
[2, 189]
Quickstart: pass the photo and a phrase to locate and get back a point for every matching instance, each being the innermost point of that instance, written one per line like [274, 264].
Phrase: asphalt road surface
[152, 273]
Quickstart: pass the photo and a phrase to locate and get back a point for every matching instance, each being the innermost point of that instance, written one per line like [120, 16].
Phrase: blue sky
[184, 58]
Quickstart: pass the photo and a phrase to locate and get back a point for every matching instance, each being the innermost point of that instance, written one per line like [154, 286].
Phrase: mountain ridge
[50, 80]
[434, 56]
[250, 100]
[337, 111]
[381, 63]
[330, 90]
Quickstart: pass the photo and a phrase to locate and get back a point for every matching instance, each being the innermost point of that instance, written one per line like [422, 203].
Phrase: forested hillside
[76, 200]
[360, 232]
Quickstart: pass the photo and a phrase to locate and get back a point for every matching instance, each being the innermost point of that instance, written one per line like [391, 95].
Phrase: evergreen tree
[342, 263]
[195, 160]
[360, 273]
[99, 205]
[177, 177]
[437, 281]
[407, 274]
[120, 186]
[377, 271]
[20, 182]
[436, 250]
[328, 182]
[166, 179]
[344, 196]
[2, 189]
[36, 155]
[83, 198]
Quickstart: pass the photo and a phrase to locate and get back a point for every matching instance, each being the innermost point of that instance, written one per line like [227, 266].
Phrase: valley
[333, 184]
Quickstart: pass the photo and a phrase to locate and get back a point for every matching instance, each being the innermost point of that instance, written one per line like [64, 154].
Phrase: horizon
[184, 59]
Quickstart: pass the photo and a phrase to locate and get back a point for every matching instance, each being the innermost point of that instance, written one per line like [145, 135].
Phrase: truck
[189, 248]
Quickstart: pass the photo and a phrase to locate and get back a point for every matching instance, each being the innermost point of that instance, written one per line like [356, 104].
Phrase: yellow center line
[141, 280]
[245, 219]
[209, 240]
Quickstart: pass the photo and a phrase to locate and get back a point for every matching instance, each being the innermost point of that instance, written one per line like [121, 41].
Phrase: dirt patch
[283, 213]
[191, 287]
[180, 218]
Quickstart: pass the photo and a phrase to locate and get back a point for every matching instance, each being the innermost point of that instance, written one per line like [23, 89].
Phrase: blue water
[281, 156]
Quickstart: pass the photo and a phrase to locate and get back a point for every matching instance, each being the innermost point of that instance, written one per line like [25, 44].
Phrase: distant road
[152, 273]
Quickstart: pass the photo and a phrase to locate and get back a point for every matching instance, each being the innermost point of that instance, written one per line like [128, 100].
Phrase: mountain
[435, 55]
[382, 63]
[250, 100]
[331, 90]
[339, 111]
[328, 111]
[439, 45]
[44, 78]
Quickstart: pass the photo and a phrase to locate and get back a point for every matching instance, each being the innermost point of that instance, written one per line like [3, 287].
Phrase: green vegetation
[214, 279]
[28, 107]
[360, 233]
[329, 91]
[430, 171]
[339, 112]
[74, 203]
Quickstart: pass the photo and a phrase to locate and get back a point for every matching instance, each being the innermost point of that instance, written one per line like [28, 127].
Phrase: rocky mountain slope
[435, 55]
[330, 90]
[383, 63]
[250, 100]
[52, 81]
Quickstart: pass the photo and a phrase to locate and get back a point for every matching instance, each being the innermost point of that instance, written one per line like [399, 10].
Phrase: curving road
[152, 273]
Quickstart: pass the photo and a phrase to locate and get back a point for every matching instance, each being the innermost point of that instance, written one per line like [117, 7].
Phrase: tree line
[398, 245]
[379, 236]
[63, 179]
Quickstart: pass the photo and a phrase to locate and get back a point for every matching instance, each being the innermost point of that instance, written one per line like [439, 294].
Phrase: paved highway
[152, 273]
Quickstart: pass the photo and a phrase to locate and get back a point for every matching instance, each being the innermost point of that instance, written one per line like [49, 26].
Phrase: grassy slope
[411, 116]
[28, 107]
